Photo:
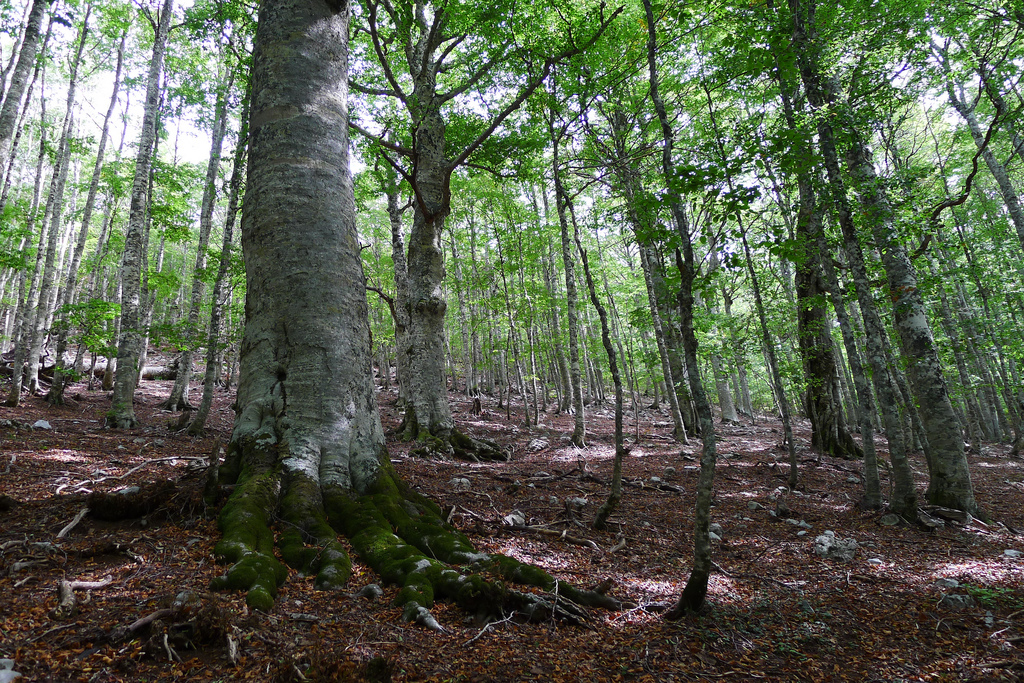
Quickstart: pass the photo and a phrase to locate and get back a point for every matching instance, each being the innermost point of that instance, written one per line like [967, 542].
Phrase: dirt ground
[777, 610]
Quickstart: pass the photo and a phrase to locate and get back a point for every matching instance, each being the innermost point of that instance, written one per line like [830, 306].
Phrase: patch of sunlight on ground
[62, 456]
[997, 569]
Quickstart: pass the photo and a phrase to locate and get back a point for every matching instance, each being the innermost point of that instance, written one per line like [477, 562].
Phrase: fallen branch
[131, 471]
[73, 523]
[66, 594]
[560, 535]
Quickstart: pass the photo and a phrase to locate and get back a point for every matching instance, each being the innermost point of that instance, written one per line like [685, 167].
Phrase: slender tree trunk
[129, 348]
[579, 432]
[904, 497]
[866, 401]
[27, 302]
[71, 286]
[178, 400]
[773, 368]
[694, 594]
[19, 78]
[615, 494]
[220, 285]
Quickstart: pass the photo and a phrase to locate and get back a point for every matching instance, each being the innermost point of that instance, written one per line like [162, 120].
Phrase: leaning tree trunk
[904, 496]
[615, 494]
[950, 479]
[307, 446]
[773, 367]
[27, 302]
[129, 348]
[55, 209]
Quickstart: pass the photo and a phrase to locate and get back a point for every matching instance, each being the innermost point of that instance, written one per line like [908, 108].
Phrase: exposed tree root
[400, 534]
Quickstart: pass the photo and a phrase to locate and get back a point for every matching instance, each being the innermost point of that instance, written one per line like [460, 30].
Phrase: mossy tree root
[403, 538]
[306, 540]
[400, 534]
[457, 445]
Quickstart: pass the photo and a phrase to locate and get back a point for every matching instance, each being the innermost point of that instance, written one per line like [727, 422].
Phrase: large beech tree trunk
[307, 446]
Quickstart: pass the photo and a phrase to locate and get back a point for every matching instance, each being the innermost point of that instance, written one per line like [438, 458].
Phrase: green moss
[517, 572]
[260, 598]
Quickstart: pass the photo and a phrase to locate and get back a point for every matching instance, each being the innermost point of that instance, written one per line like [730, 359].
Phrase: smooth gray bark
[19, 78]
[904, 496]
[178, 399]
[220, 284]
[129, 348]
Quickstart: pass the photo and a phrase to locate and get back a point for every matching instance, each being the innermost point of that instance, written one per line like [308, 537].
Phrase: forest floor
[776, 610]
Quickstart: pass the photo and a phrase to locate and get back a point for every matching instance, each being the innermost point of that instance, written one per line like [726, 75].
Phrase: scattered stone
[7, 672]
[716, 528]
[577, 502]
[828, 545]
[41, 424]
[875, 561]
[949, 514]
[370, 591]
[655, 480]
[754, 505]
[714, 537]
[541, 474]
[1012, 553]
[460, 484]
[798, 523]
[515, 518]
[990, 620]
[537, 445]
[956, 602]
[670, 472]
[802, 532]
[553, 500]
[853, 480]
[947, 583]
[890, 520]
[929, 523]
[159, 443]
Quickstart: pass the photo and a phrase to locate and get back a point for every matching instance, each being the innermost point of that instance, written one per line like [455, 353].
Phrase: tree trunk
[129, 348]
[218, 302]
[773, 368]
[178, 400]
[904, 496]
[70, 293]
[950, 479]
[19, 79]
[579, 432]
[694, 594]
[27, 302]
[307, 445]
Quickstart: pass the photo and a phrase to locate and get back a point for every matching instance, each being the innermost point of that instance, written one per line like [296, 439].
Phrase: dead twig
[66, 594]
[73, 523]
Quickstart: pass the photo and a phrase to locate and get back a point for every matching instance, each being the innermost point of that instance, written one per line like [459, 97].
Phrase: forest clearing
[776, 610]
